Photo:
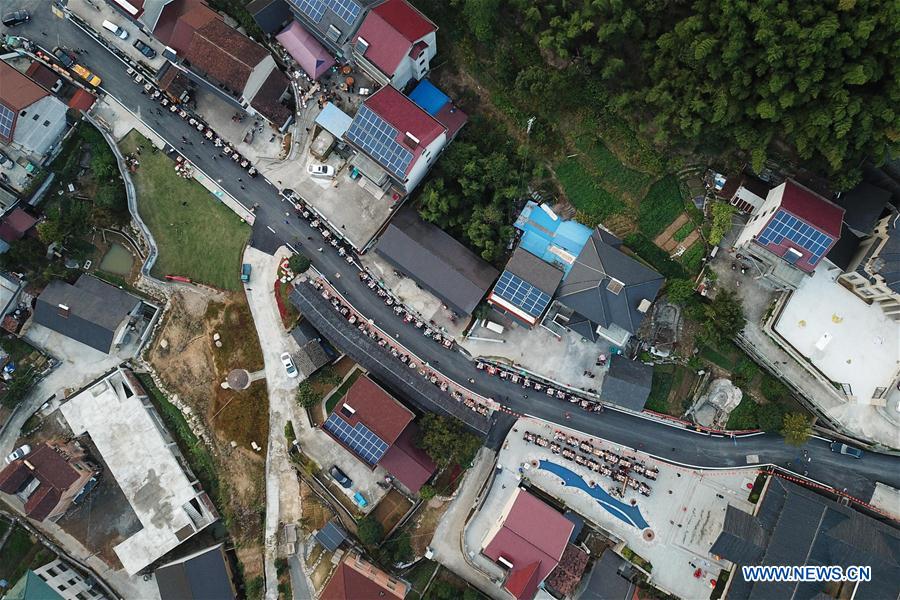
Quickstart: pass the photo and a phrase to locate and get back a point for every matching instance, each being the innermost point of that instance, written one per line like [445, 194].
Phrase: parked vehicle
[288, 363]
[340, 477]
[245, 272]
[5, 161]
[115, 29]
[65, 58]
[86, 75]
[144, 49]
[320, 170]
[18, 453]
[17, 17]
[845, 449]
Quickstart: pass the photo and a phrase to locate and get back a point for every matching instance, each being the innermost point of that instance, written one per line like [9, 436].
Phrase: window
[35, 117]
[61, 588]
[792, 256]
[51, 572]
[63, 567]
[71, 582]
[361, 45]
[46, 123]
[880, 392]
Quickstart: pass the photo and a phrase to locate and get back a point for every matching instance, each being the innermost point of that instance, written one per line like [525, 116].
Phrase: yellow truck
[86, 75]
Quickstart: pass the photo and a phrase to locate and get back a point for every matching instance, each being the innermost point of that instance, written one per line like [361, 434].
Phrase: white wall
[415, 69]
[761, 216]
[425, 161]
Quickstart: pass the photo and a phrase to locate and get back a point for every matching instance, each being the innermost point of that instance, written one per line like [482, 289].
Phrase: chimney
[63, 311]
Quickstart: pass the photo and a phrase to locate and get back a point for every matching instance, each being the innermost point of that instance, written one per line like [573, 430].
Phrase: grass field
[660, 206]
[609, 171]
[658, 400]
[341, 391]
[20, 553]
[585, 193]
[683, 231]
[198, 236]
[692, 258]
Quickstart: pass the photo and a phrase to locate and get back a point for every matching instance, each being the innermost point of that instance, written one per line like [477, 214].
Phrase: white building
[67, 582]
[395, 44]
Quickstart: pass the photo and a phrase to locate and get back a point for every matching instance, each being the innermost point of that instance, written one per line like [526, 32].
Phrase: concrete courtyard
[563, 360]
[685, 511]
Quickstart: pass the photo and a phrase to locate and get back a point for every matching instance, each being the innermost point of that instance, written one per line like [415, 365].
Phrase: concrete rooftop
[135, 446]
[849, 341]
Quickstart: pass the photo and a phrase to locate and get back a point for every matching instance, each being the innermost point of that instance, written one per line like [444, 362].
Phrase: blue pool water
[631, 515]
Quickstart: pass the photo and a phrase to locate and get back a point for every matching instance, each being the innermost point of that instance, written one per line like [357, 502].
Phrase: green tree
[770, 416]
[370, 531]
[426, 492]
[723, 318]
[721, 222]
[307, 396]
[298, 263]
[796, 429]
[446, 441]
[64, 221]
[680, 291]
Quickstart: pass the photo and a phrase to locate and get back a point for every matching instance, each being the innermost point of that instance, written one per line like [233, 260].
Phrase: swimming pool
[627, 513]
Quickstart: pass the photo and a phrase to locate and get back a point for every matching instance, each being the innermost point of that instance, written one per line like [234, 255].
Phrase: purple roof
[306, 50]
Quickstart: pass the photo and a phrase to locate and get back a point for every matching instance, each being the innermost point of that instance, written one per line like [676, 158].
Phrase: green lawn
[692, 259]
[661, 205]
[726, 356]
[608, 170]
[198, 236]
[341, 391]
[683, 231]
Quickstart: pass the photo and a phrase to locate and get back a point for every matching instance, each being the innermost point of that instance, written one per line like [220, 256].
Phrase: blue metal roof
[550, 238]
[428, 97]
[334, 120]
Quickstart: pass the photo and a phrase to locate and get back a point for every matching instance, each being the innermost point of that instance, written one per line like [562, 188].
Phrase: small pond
[117, 260]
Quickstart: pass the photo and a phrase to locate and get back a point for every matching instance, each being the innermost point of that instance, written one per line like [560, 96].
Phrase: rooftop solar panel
[522, 294]
[347, 10]
[6, 121]
[359, 438]
[786, 226]
[379, 140]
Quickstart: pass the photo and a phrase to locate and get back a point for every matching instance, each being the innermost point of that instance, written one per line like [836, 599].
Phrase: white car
[288, 363]
[18, 453]
[320, 170]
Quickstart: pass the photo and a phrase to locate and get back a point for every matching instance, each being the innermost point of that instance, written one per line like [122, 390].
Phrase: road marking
[269, 227]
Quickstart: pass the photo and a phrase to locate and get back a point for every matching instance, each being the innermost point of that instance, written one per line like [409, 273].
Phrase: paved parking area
[685, 511]
[539, 351]
[94, 12]
[265, 141]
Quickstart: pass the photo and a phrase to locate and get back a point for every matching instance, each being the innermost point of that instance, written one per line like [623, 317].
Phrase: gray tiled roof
[438, 262]
[799, 527]
[627, 383]
[863, 205]
[201, 576]
[532, 269]
[96, 309]
[585, 289]
[887, 264]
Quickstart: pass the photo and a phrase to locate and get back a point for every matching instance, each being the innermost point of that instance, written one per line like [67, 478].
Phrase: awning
[306, 50]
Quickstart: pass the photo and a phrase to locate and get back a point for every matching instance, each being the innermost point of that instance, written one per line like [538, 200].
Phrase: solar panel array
[347, 10]
[358, 438]
[522, 294]
[374, 135]
[784, 225]
[6, 121]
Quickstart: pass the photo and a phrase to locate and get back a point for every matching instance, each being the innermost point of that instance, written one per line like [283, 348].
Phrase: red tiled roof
[225, 54]
[42, 502]
[391, 30]
[20, 221]
[409, 464]
[8, 234]
[567, 574]
[179, 21]
[267, 98]
[349, 584]
[523, 583]
[13, 476]
[406, 116]
[376, 409]
[812, 208]
[405, 19]
[17, 92]
[42, 75]
[82, 100]
[532, 532]
[50, 467]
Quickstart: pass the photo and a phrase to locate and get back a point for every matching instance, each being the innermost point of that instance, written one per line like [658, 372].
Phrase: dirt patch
[191, 365]
[425, 523]
[670, 230]
[315, 514]
[320, 574]
[391, 509]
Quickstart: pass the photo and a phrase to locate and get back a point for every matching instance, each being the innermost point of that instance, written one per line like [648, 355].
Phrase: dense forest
[821, 77]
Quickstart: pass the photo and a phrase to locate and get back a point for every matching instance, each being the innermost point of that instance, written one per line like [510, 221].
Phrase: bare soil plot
[391, 509]
[425, 523]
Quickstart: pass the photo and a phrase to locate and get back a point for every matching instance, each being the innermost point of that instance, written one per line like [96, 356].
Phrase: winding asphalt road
[667, 442]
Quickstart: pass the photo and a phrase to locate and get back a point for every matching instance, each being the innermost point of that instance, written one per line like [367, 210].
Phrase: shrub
[370, 531]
